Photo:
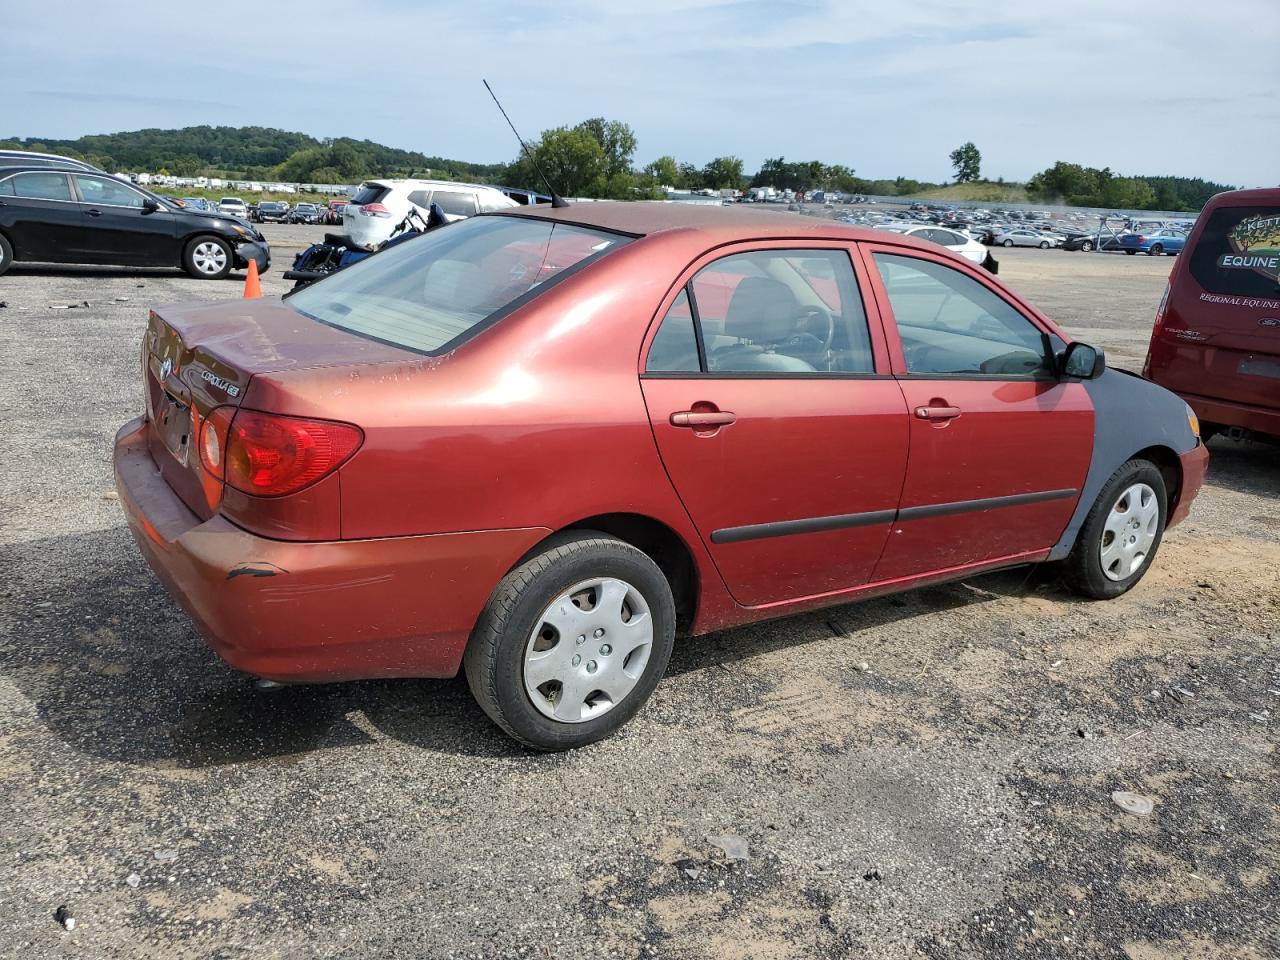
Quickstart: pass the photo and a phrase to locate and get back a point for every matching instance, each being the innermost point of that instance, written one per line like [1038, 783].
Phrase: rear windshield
[430, 293]
[369, 193]
[1238, 253]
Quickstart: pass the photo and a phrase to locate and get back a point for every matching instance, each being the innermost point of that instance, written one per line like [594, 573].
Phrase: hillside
[981, 192]
[254, 152]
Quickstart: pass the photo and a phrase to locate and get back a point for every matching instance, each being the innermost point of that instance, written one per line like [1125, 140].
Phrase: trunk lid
[199, 356]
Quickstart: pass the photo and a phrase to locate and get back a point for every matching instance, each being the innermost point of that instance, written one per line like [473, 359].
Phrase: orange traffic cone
[252, 287]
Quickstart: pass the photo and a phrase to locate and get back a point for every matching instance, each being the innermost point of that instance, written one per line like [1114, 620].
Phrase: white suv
[379, 206]
[233, 207]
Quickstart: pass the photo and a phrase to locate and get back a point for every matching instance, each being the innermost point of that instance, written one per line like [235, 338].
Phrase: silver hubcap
[1129, 532]
[588, 650]
[209, 257]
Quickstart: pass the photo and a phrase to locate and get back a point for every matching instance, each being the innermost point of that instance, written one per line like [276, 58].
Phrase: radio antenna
[556, 200]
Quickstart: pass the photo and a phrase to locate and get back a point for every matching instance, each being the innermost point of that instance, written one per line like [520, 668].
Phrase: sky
[1179, 87]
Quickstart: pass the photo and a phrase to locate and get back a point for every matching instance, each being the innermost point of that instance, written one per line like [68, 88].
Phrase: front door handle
[937, 413]
[94, 213]
[702, 419]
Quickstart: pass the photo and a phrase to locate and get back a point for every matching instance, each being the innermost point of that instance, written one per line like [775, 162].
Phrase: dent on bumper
[338, 610]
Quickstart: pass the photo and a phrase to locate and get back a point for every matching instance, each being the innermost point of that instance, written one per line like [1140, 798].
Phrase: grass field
[983, 192]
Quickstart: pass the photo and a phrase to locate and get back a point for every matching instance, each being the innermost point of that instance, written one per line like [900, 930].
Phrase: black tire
[189, 258]
[1083, 567]
[1155, 251]
[494, 659]
[1131, 252]
[1007, 243]
[1087, 246]
[6, 255]
[1044, 244]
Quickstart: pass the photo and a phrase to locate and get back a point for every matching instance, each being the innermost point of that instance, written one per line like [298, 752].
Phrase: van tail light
[1160, 312]
[213, 440]
[268, 455]
[374, 210]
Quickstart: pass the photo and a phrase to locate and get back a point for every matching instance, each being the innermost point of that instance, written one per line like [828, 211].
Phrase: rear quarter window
[1238, 252]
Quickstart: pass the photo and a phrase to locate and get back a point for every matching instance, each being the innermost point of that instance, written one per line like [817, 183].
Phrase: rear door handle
[937, 413]
[94, 213]
[702, 419]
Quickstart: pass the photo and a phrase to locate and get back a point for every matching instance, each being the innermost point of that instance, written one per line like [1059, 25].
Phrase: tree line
[594, 158]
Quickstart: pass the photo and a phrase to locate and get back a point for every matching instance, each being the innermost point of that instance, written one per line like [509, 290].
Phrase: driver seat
[762, 311]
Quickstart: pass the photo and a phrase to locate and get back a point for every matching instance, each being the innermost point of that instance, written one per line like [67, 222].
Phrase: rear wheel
[6, 255]
[1131, 252]
[1087, 246]
[1007, 243]
[1121, 534]
[1155, 250]
[208, 258]
[572, 642]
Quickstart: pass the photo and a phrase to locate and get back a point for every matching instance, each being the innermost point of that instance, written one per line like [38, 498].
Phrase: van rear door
[1219, 336]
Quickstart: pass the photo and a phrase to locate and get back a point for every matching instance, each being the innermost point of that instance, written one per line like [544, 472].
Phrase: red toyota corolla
[539, 444]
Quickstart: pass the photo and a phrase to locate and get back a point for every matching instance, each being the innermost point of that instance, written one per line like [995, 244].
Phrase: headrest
[762, 310]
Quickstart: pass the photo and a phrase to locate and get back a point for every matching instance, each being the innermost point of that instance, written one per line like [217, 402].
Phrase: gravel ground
[920, 776]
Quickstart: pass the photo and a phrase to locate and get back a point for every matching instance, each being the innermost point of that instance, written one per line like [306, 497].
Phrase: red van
[1216, 340]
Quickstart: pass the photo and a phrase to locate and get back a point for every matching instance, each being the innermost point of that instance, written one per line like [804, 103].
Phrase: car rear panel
[1219, 336]
[200, 356]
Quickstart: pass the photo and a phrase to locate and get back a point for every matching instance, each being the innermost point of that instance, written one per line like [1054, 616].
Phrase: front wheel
[207, 258]
[1121, 534]
[1044, 244]
[1007, 243]
[6, 255]
[1086, 246]
[572, 642]
[1155, 250]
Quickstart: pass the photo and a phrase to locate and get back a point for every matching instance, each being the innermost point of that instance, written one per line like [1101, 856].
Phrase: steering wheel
[805, 317]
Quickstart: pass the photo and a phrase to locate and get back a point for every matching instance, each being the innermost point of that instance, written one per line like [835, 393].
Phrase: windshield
[431, 292]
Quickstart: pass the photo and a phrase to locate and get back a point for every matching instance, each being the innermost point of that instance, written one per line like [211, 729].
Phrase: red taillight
[213, 440]
[375, 210]
[1142, 239]
[267, 455]
[1160, 311]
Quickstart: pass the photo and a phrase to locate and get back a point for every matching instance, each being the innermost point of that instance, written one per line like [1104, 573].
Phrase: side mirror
[149, 205]
[1080, 361]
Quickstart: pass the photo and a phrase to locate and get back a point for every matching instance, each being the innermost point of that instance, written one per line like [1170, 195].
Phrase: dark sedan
[68, 216]
[305, 213]
[272, 211]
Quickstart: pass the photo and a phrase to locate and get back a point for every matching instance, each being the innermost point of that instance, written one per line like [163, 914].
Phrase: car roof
[7, 169]
[646, 218]
[401, 181]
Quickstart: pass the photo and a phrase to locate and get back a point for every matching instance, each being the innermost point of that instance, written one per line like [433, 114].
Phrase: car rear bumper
[1246, 416]
[311, 612]
[1195, 464]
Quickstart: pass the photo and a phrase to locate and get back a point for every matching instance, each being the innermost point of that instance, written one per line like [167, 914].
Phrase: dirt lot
[921, 776]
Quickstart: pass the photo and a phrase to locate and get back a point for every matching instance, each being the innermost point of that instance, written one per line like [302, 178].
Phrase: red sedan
[541, 443]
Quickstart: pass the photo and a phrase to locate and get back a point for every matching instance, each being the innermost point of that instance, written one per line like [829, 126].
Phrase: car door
[41, 216]
[777, 417]
[999, 445]
[120, 228]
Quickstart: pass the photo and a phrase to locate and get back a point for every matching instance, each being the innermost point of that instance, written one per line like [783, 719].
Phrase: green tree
[967, 161]
[616, 139]
[723, 173]
[664, 172]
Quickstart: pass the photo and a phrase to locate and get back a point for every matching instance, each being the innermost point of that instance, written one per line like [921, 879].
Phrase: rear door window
[455, 204]
[1238, 252]
[39, 186]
